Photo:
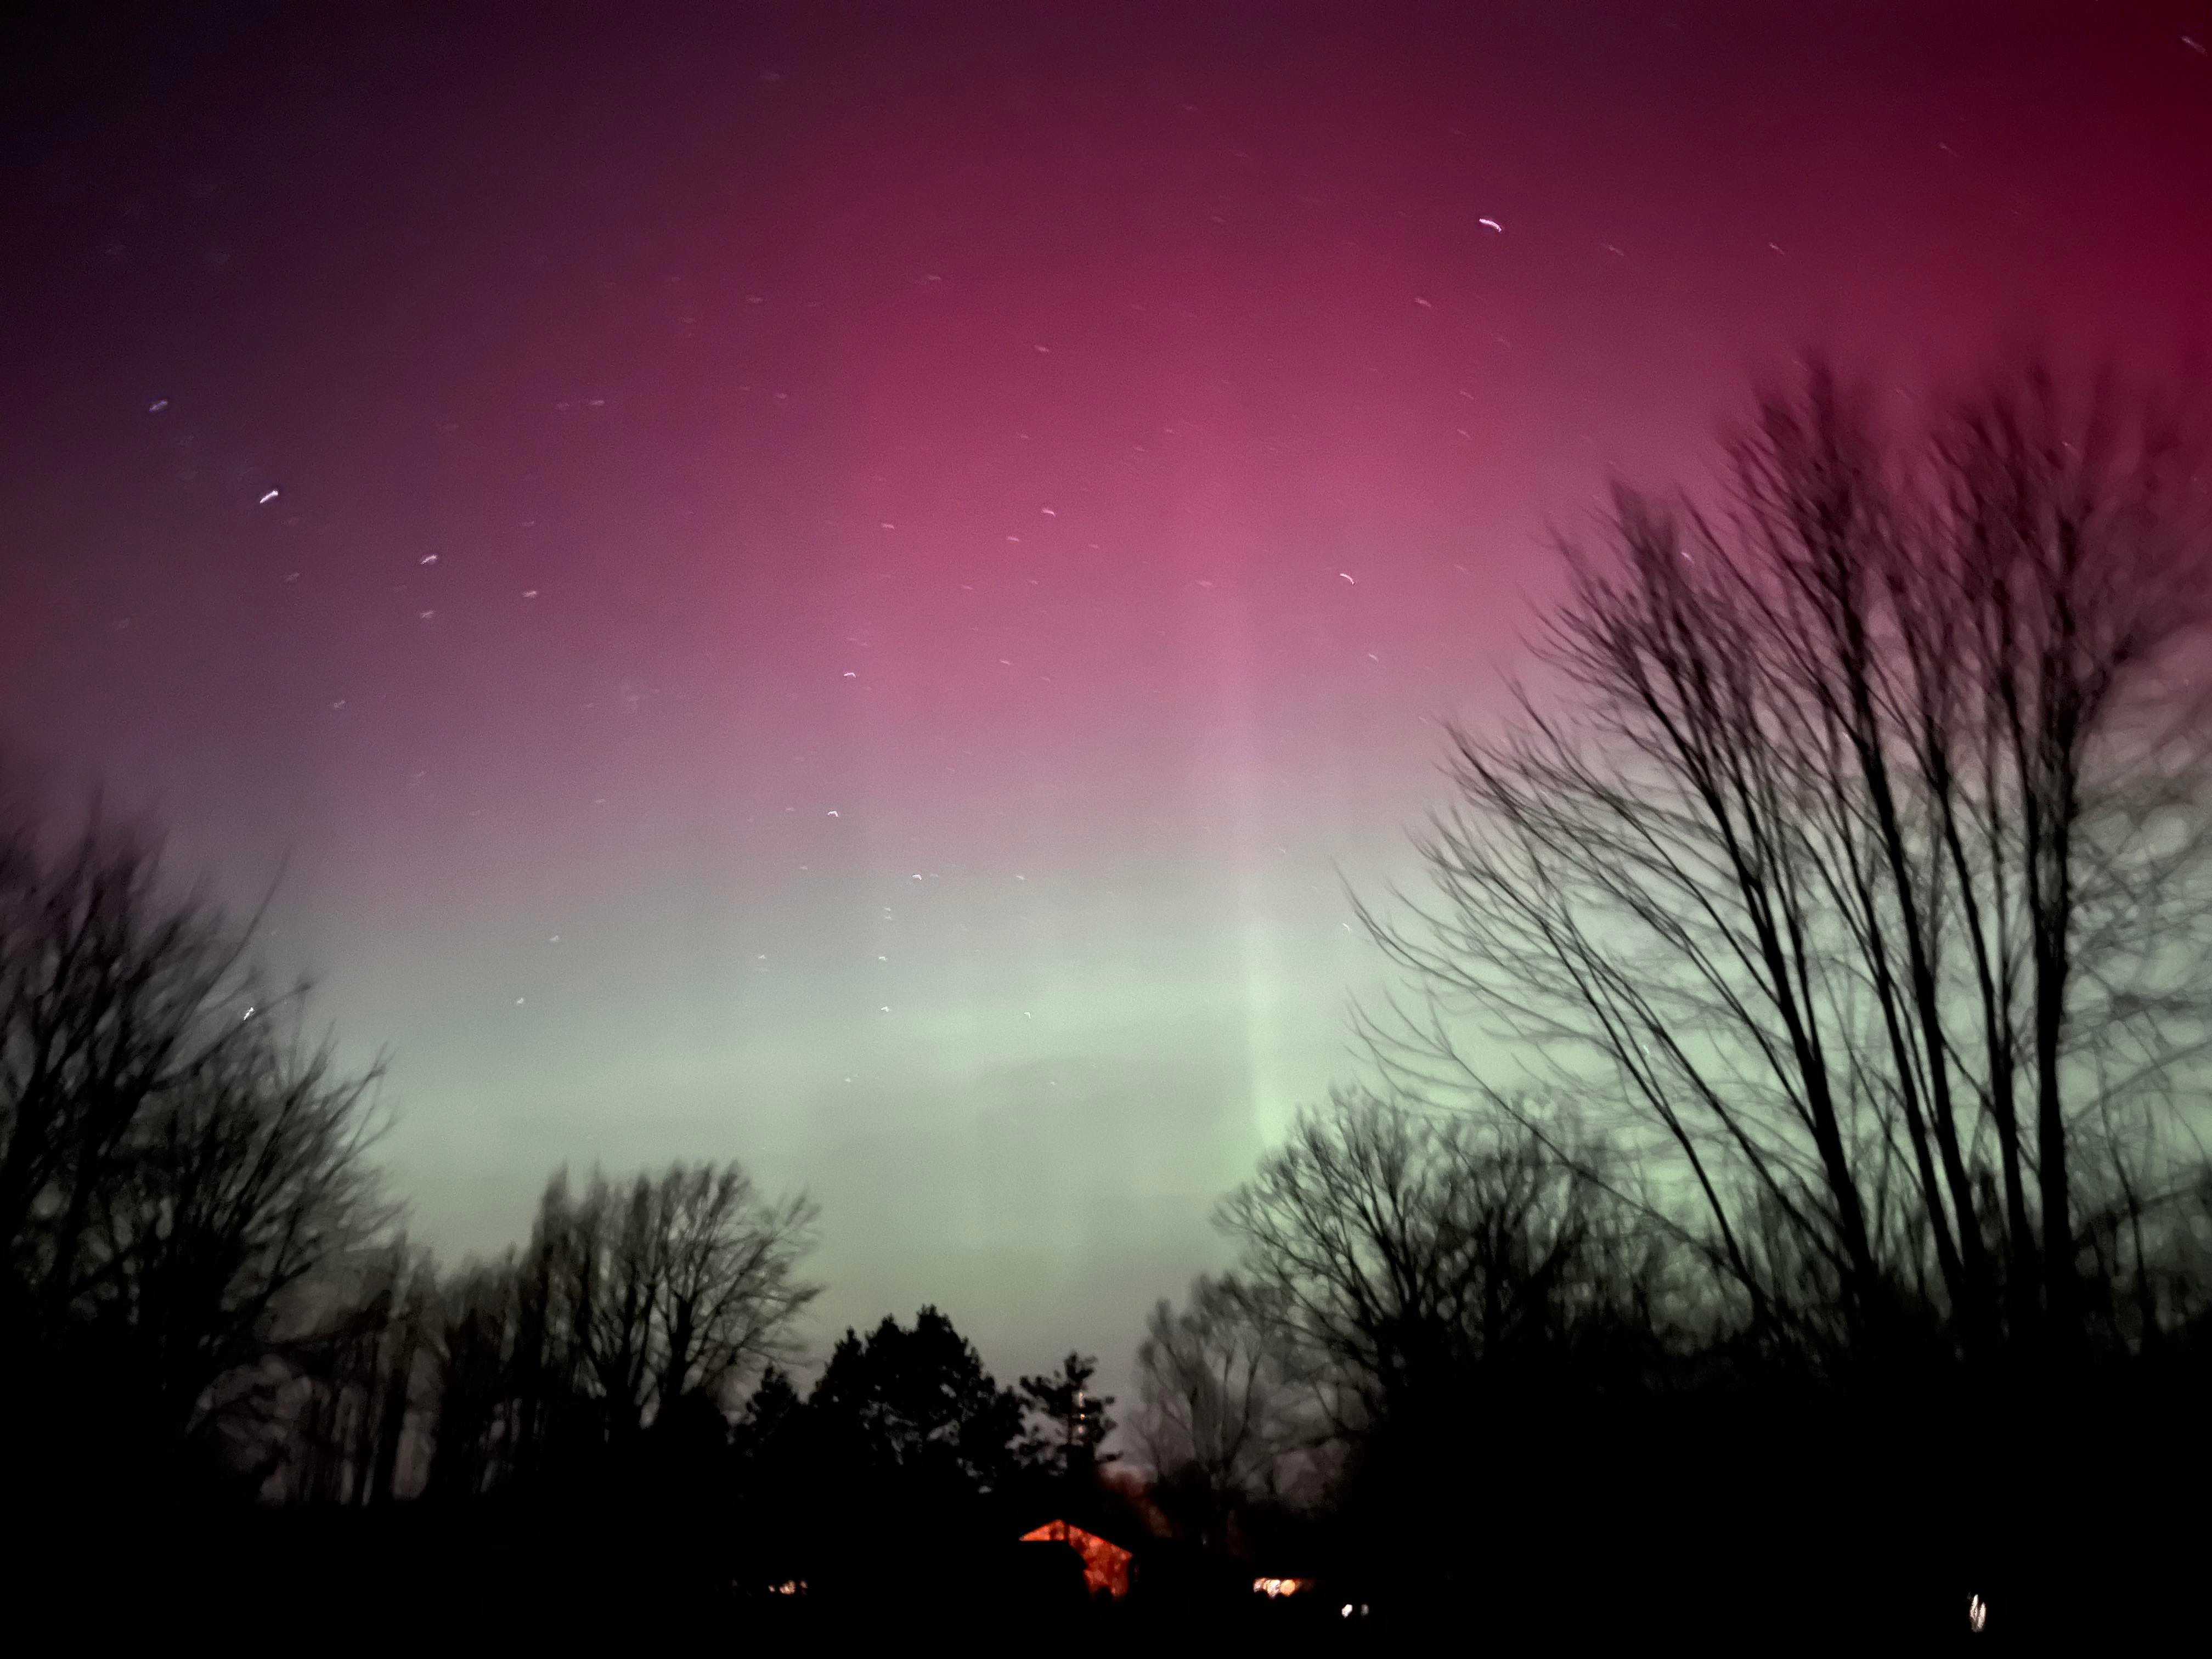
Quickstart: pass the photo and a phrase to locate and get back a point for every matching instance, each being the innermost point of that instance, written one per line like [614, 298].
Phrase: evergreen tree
[1068, 1424]
[915, 1408]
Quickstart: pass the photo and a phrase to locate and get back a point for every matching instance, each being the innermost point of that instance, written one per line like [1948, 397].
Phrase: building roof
[1105, 1563]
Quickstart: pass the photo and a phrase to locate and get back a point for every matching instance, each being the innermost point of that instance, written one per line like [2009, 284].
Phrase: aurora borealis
[841, 581]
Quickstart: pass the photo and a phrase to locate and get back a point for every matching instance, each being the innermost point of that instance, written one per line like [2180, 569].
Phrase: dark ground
[356, 1581]
[1731, 1526]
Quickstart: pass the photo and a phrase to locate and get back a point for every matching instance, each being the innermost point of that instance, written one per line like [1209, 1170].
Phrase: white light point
[268, 498]
[1492, 224]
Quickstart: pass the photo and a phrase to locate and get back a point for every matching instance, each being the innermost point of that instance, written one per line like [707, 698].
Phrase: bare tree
[1400, 1260]
[238, 1188]
[176, 1161]
[1214, 1413]
[627, 1303]
[356, 1418]
[726, 1285]
[486, 1381]
[1861, 872]
[112, 998]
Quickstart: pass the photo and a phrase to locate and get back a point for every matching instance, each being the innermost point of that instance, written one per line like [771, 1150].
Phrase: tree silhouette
[914, 1407]
[1214, 1416]
[356, 1414]
[177, 1165]
[631, 1304]
[1402, 1262]
[1865, 876]
[1069, 1423]
[770, 1416]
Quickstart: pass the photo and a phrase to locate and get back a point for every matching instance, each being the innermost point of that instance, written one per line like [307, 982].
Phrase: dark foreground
[364, 1581]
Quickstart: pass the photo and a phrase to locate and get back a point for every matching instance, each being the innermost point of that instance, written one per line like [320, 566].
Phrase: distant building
[1105, 1566]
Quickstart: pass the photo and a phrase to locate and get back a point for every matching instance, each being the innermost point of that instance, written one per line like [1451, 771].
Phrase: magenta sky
[913, 539]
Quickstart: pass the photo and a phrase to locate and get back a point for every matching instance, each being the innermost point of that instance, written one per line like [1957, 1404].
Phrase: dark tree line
[204, 1302]
[906, 1427]
[635, 1310]
[1784, 1135]
[1789, 1105]
[206, 1299]
[618, 1335]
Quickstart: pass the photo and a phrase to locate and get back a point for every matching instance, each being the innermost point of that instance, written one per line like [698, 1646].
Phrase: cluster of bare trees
[1401, 1271]
[1859, 873]
[634, 1307]
[177, 1163]
[1807, 1001]
[350, 1417]
[1398, 1257]
[621, 1328]
[197, 1266]
[1217, 1418]
[619, 1331]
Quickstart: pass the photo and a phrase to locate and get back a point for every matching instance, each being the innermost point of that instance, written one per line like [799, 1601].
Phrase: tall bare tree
[487, 1380]
[629, 1303]
[355, 1420]
[1215, 1415]
[1400, 1260]
[176, 1161]
[1861, 869]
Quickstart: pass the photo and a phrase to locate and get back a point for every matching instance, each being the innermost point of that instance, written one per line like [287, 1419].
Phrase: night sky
[834, 586]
